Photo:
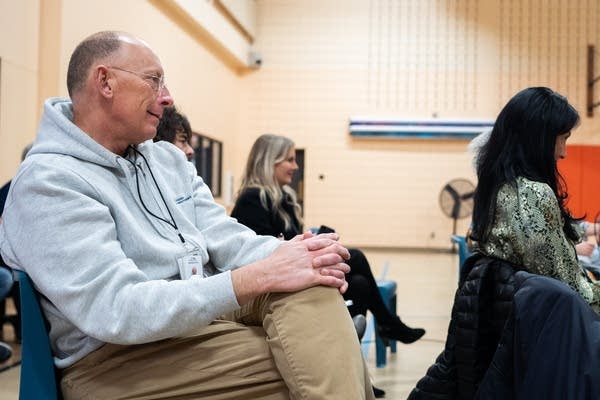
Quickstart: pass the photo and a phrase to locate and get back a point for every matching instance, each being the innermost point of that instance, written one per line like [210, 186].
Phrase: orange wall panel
[581, 171]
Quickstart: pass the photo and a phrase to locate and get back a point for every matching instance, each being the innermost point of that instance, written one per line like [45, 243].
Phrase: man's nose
[164, 97]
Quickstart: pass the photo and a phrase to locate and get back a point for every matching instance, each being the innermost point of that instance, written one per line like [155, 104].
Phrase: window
[207, 159]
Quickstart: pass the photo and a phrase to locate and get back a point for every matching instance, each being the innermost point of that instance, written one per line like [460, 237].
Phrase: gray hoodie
[106, 267]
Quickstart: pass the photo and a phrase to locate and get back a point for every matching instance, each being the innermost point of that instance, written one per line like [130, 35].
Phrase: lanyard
[137, 182]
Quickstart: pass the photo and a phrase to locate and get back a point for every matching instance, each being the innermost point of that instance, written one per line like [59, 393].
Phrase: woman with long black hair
[520, 214]
[520, 222]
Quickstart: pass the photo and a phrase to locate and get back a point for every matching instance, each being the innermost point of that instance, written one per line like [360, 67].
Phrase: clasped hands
[308, 260]
[305, 261]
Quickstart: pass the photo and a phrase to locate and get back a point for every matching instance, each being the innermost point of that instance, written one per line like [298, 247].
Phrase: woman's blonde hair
[267, 151]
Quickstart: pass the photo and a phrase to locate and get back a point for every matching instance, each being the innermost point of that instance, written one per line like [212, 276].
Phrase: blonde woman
[267, 204]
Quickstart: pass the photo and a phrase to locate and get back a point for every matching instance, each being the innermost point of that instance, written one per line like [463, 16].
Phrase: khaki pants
[280, 346]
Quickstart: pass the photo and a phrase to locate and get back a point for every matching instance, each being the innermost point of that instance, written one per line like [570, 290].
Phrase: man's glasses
[157, 83]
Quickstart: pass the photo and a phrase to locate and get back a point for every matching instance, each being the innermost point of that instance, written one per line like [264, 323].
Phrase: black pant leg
[362, 288]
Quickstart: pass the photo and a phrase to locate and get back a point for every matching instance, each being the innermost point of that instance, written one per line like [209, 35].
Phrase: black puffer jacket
[549, 349]
[481, 308]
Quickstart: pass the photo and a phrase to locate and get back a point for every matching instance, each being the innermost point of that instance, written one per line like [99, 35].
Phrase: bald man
[150, 289]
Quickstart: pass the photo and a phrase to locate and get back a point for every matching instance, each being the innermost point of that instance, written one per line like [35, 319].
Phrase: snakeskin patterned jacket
[527, 230]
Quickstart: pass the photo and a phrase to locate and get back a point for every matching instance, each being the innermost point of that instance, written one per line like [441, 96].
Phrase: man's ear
[103, 81]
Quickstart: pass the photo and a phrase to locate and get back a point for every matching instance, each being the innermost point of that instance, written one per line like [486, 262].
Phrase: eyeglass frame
[160, 85]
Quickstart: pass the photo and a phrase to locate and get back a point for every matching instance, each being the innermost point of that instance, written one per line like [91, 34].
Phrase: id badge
[190, 264]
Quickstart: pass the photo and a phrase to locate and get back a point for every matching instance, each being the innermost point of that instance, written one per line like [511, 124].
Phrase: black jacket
[248, 210]
[481, 307]
[550, 348]
[515, 335]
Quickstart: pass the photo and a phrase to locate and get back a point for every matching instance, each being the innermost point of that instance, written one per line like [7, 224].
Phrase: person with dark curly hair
[175, 128]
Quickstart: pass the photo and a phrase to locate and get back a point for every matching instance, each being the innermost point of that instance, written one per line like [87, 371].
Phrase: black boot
[397, 330]
[379, 393]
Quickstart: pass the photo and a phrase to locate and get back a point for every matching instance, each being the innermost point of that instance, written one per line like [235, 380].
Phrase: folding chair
[38, 377]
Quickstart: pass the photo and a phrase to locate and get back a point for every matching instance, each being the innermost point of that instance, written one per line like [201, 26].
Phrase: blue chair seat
[463, 251]
[387, 289]
[38, 377]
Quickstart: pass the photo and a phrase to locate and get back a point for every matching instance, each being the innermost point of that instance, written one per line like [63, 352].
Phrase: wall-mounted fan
[456, 200]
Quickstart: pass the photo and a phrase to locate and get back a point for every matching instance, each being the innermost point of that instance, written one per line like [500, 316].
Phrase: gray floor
[426, 284]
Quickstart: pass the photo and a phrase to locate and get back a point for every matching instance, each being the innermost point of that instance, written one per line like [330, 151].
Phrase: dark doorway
[298, 181]
[208, 154]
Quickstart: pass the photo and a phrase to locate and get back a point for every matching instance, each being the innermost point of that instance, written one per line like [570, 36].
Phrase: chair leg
[3, 318]
[13, 319]
[392, 306]
[388, 294]
[380, 350]
[16, 319]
